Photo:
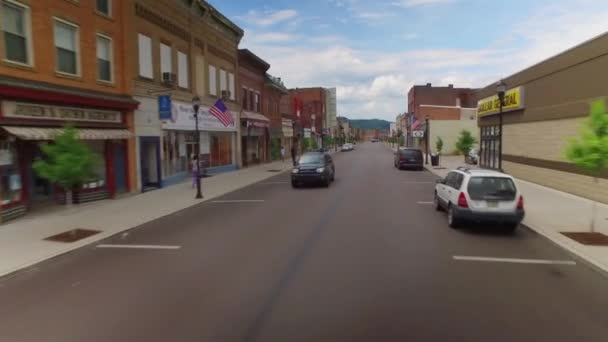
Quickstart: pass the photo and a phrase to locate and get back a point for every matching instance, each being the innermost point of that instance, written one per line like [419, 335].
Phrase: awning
[44, 133]
[250, 116]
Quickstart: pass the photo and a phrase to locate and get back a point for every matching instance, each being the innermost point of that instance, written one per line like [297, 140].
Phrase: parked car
[313, 167]
[409, 158]
[472, 157]
[480, 196]
[348, 147]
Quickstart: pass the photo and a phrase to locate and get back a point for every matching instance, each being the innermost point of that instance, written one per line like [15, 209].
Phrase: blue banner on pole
[164, 107]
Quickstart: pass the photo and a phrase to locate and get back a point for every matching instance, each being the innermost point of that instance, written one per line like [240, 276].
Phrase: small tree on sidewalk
[590, 150]
[439, 145]
[465, 142]
[67, 162]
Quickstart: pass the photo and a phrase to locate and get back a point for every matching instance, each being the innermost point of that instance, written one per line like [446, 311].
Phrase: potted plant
[465, 142]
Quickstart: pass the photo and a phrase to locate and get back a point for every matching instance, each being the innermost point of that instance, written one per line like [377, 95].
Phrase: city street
[367, 259]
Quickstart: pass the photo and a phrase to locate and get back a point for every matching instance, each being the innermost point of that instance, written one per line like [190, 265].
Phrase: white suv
[481, 196]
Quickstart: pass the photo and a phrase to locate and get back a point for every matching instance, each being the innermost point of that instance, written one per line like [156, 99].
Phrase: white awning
[44, 133]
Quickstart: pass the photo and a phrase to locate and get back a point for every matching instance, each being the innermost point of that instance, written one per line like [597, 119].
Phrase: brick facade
[439, 96]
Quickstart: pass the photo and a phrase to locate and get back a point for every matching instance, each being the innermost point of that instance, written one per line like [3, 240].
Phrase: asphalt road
[360, 261]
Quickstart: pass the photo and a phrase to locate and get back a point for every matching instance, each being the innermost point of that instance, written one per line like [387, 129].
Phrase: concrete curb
[87, 242]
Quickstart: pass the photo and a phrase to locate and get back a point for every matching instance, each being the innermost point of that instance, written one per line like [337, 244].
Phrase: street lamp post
[196, 104]
[501, 89]
[426, 135]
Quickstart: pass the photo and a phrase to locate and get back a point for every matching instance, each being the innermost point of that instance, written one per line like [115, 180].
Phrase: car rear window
[498, 188]
[411, 153]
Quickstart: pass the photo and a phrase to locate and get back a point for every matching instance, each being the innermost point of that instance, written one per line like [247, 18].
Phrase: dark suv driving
[313, 167]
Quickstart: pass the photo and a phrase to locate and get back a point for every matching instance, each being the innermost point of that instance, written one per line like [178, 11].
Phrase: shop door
[120, 166]
[149, 153]
[41, 189]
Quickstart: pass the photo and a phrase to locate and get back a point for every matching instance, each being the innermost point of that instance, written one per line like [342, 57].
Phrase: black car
[313, 167]
[409, 158]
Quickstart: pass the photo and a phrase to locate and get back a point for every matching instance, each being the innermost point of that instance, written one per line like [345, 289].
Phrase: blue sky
[373, 51]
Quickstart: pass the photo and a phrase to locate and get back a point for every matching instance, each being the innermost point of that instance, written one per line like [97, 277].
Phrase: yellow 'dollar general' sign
[514, 100]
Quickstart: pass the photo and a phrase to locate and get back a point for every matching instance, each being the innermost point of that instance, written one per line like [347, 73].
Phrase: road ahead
[365, 260]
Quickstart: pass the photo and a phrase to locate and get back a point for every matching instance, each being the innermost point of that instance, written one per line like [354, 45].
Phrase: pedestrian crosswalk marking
[138, 246]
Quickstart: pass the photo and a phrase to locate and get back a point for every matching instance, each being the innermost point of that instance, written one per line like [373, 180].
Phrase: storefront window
[221, 149]
[175, 158]
[9, 173]
[490, 140]
[98, 147]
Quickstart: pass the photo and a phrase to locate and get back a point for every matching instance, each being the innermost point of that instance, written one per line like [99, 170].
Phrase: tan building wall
[557, 93]
[449, 130]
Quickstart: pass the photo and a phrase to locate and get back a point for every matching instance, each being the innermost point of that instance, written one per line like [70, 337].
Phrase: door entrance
[149, 152]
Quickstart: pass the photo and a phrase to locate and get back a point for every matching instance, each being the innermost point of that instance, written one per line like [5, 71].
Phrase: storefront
[254, 138]
[178, 140]
[288, 136]
[27, 126]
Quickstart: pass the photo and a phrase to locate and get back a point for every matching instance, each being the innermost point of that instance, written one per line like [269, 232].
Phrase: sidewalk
[22, 241]
[549, 212]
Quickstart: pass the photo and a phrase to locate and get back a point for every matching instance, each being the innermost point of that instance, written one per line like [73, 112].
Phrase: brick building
[274, 90]
[182, 49]
[310, 111]
[548, 102]
[255, 126]
[439, 96]
[63, 61]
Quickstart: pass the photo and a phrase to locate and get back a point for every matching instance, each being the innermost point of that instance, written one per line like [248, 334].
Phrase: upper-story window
[145, 56]
[166, 62]
[212, 80]
[244, 99]
[17, 33]
[104, 58]
[67, 47]
[231, 86]
[223, 83]
[256, 102]
[104, 6]
[182, 70]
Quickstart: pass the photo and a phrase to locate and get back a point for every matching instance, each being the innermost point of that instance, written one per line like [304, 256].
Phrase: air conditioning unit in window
[168, 79]
[225, 94]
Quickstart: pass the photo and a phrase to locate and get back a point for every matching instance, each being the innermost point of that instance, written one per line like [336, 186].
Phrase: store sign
[306, 132]
[514, 100]
[418, 134]
[164, 107]
[182, 118]
[22, 110]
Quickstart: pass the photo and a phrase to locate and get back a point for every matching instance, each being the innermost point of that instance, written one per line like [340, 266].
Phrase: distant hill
[370, 124]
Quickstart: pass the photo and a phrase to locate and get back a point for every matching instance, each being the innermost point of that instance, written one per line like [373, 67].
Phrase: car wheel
[326, 183]
[437, 204]
[511, 227]
[453, 221]
[333, 176]
[294, 184]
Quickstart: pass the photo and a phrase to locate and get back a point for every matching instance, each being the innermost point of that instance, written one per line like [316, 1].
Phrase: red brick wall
[251, 78]
[440, 113]
[439, 96]
[272, 106]
[313, 102]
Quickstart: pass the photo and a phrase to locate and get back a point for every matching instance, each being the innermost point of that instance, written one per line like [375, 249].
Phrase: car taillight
[520, 203]
[462, 201]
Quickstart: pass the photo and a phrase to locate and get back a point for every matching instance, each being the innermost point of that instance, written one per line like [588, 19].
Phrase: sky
[374, 51]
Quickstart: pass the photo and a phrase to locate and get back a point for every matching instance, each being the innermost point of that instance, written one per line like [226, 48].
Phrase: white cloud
[268, 18]
[374, 83]
[416, 3]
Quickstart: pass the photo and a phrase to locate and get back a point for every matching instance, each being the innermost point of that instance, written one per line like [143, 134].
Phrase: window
[104, 58]
[212, 80]
[165, 59]
[494, 188]
[231, 86]
[250, 100]
[244, 99]
[223, 83]
[257, 102]
[182, 70]
[66, 46]
[15, 25]
[104, 6]
[145, 56]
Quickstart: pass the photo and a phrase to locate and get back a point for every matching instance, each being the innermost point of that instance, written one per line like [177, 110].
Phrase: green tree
[590, 150]
[313, 144]
[306, 142]
[275, 149]
[439, 145]
[465, 142]
[67, 162]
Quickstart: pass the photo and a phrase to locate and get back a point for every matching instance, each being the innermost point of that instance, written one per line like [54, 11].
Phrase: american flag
[220, 111]
[415, 123]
